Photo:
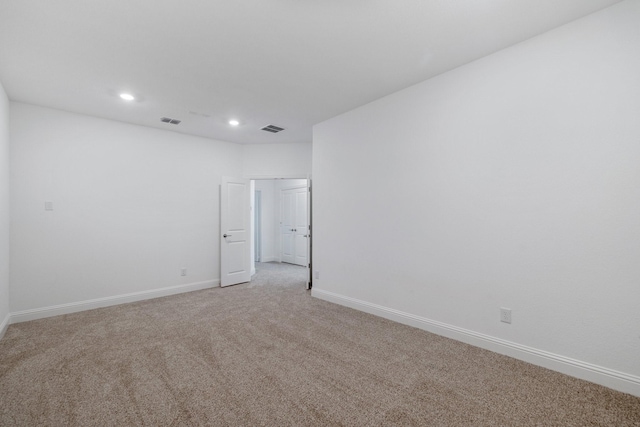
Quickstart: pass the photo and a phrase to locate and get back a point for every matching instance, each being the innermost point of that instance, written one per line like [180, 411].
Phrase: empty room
[295, 213]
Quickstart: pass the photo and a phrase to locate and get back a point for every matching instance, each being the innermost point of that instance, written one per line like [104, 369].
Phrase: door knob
[226, 235]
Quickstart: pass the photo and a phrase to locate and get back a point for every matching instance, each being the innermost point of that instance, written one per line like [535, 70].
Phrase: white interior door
[235, 217]
[301, 227]
[309, 237]
[294, 226]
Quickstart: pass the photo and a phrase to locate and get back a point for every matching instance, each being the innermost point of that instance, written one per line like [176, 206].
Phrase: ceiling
[290, 63]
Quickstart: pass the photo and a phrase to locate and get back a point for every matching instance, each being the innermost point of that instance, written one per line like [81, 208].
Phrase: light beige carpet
[267, 354]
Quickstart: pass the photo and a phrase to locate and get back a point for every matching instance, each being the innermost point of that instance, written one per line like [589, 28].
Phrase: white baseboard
[268, 259]
[4, 325]
[616, 380]
[56, 310]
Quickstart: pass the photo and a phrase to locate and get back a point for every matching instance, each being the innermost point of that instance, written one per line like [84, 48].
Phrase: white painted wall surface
[277, 160]
[4, 210]
[132, 206]
[286, 184]
[512, 181]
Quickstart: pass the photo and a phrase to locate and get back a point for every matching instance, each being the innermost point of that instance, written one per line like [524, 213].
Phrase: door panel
[235, 216]
[286, 227]
[301, 227]
[236, 255]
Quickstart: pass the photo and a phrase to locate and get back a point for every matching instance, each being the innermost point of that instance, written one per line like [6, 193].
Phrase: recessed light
[234, 122]
[127, 96]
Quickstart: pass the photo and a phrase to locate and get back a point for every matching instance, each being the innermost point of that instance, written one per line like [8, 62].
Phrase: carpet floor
[267, 354]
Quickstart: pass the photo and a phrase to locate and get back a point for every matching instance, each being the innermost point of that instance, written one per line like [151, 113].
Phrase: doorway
[281, 221]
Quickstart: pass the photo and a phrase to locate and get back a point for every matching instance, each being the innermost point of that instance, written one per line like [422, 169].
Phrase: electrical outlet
[505, 315]
[183, 271]
[317, 274]
[48, 206]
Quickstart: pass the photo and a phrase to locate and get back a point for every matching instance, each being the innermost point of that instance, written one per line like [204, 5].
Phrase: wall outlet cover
[505, 315]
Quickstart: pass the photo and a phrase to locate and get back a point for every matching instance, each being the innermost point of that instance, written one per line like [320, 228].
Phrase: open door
[309, 237]
[235, 220]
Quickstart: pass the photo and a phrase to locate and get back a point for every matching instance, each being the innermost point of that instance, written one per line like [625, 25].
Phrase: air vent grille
[170, 120]
[272, 128]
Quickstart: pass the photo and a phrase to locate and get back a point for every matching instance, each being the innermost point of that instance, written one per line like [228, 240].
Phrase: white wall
[287, 184]
[132, 206]
[4, 210]
[277, 160]
[513, 181]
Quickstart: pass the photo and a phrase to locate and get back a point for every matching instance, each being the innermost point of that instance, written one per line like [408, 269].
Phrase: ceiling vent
[272, 128]
[169, 120]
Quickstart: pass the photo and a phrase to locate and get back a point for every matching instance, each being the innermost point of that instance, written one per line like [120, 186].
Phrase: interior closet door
[294, 226]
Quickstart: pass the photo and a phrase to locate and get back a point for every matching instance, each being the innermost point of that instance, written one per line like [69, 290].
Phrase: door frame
[309, 216]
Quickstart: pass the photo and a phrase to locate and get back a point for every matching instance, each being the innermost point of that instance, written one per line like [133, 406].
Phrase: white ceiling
[292, 63]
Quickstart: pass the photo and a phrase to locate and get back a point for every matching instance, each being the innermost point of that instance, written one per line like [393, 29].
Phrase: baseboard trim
[56, 310]
[616, 380]
[4, 325]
